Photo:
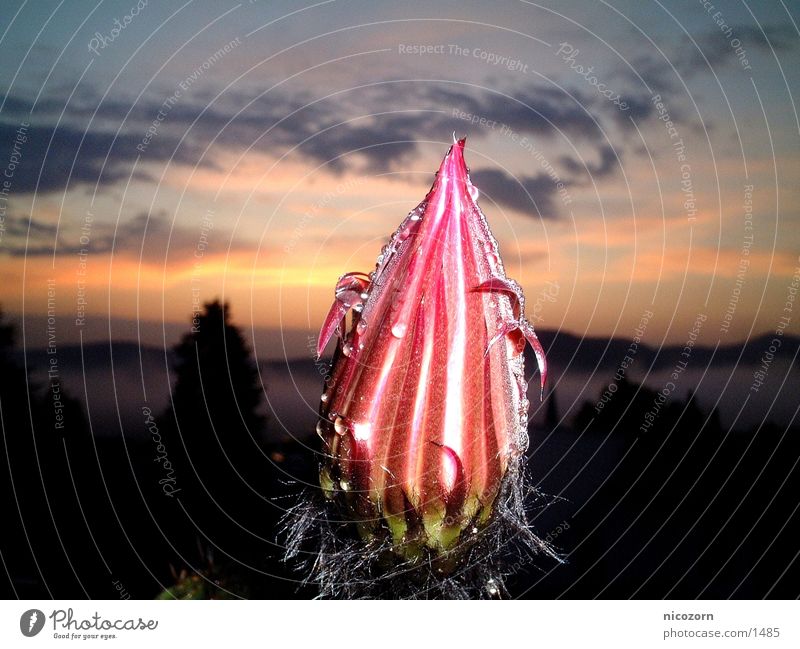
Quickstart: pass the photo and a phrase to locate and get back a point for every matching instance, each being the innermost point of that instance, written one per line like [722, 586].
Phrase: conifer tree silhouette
[213, 427]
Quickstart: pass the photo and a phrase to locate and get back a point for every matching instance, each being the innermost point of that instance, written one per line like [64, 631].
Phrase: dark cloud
[53, 159]
[370, 131]
[534, 195]
[685, 59]
[777, 37]
[24, 236]
[387, 144]
[153, 235]
[639, 108]
[660, 78]
[533, 109]
[605, 166]
[656, 73]
[393, 118]
[715, 46]
[16, 227]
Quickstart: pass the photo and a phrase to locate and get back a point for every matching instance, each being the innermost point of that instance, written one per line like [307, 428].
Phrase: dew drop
[491, 257]
[523, 443]
[364, 296]
[344, 485]
[340, 426]
[399, 329]
[320, 428]
[524, 403]
[416, 217]
[361, 327]
[347, 349]
[324, 397]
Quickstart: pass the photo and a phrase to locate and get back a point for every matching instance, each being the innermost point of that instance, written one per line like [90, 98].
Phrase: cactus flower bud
[425, 407]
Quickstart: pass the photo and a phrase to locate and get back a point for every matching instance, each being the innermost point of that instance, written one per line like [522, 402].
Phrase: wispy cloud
[533, 195]
[375, 129]
[153, 237]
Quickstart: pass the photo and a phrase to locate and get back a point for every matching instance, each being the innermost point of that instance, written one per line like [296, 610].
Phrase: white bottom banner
[406, 625]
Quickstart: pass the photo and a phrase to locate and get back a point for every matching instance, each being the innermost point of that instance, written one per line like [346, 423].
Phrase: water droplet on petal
[361, 327]
[344, 485]
[347, 349]
[324, 397]
[340, 426]
[399, 329]
[321, 428]
[523, 443]
[364, 296]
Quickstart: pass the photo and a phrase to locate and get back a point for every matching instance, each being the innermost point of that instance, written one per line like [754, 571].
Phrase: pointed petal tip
[453, 164]
[538, 350]
[331, 325]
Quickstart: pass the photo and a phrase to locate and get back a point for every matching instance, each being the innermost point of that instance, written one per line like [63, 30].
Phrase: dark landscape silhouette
[183, 496]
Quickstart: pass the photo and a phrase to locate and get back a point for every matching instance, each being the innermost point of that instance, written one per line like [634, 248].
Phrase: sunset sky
[286, 142]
